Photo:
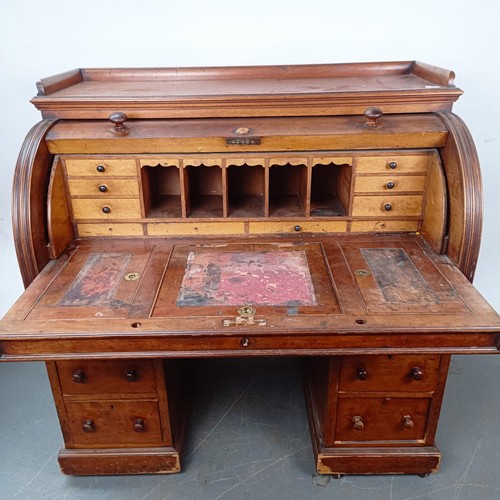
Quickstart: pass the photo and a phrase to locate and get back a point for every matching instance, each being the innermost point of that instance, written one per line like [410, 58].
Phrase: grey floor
[249, 439]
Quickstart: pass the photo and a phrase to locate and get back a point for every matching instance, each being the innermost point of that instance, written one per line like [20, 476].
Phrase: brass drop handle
[88, 425]
[78, 376]
[103, 188]
[118, 120]
[372, 115]
[357, 423]
[361, 373]
[416, 373]
[390, 185]
[132, 376]
[139, 425]
[106, 210]
[408, 422]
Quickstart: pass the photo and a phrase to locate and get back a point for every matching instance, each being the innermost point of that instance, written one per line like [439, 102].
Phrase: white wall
[39, 39]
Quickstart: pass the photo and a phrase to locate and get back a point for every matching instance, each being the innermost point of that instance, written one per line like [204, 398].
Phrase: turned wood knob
[416, 373]
[118, 120]
[298, 228]
[103, 188]
[390, 185]
[408, 422]
[139, 425]
[387, 207]
[106, 210]
[100, 168]
[361, 373]
[78, 376]
[88, 425]
[393, 165]
[357, 423]
[372, 115]
[131, 376]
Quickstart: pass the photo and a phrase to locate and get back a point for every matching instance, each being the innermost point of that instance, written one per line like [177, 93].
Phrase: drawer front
[389, 184]
[191, 228]
[103, 187]
[103, 229]
[114, 423]
[382, 226]
[389, 163]
[106, 377]
[109, 208]
[297, 227]
[389, 373]
[381, 419]
[100, 167]
[387, 206]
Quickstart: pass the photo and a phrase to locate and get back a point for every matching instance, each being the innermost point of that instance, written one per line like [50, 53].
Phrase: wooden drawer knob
[408, 422]
[78, 376]
[297, 228]
[390, 185]
[361, 373]
[88, 425]
[357, 423]
[118, 120]
[139, 425]
[387, 207]
[103, 188]
[416, 373]
[101, 168]
[372, 115]
[106, 210]
[393, 165]
[132, 376]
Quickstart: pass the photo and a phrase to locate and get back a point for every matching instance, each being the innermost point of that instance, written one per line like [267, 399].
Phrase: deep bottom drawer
[381, 419]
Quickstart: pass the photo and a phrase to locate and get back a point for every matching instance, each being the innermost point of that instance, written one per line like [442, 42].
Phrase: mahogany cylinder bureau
[330, 212]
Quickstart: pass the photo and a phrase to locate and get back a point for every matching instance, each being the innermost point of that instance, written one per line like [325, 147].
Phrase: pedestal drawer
[134, 423]
[381, 419]
[389, 373]
[109, 377]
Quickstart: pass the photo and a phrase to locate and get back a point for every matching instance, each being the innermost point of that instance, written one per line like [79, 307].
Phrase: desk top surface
[187, 297]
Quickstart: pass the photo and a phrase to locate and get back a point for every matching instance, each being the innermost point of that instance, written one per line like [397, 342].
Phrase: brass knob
[139, 425]
[408, 422]
[118, 120]
[106, 210]
[390, 185]
[357, 423]
[100, 168]
[297, 228]
[88, 425]
[361, 373]
[387, 207]
[372, 115]
[78, 376]
[416, 373]
[103, 188]
[131, 376]
[393, 165]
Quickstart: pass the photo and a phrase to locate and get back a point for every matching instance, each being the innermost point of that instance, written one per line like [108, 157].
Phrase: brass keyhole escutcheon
[132, 276]
[246, 311]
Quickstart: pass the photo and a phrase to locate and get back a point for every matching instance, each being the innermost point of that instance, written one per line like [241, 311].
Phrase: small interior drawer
[106, 208]
[397, 164]
[389, 183]
[101, 166]
[389, 373]
[114, 423]
[387, 206]
[381, 419]
[297, 227]
[103, 187]
[107, 377]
